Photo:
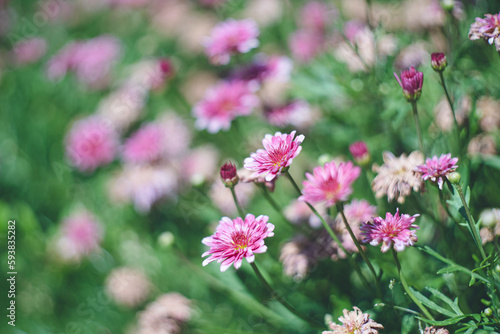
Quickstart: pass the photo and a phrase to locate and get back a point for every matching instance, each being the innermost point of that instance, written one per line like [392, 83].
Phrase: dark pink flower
[237, 239]
[391, 230]
[330, 184]
[231, 37]
[278, 154]
[222, 104]
[359, 151]
[91, 143]
[411, 82]
[436, 168]
[438, 61]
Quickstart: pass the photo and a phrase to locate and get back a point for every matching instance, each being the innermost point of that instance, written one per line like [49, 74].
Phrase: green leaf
[445, 299]
[446, 322]
[429, 303]
[470, 330]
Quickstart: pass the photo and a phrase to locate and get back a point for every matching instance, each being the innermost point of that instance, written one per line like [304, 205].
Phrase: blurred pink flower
[315, 15]
[200, 164]
[279, 152]
[265, 67]
[81, 235]
[29, 50]
[293, 113]
[91, 143]
[222, 104]
[411, 82]
[352, 29]
[305, 45]
[330, 184]
[165, 314]
[355, 322]
[231, 37]
[129, 3]
[128, 286]
[298, 212]
[359, 211]
[91, 60]
[145, 145]
[487, 28]
[437, 168]
[391, 230]
[237, 239]
[359, 151]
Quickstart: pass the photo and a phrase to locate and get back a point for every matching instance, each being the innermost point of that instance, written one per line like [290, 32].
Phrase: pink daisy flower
[393, 229]
[280, 150]
[231, 37]
[90, 144]
[222, 104]
[436, 168]
[330, 184]
[237, 239]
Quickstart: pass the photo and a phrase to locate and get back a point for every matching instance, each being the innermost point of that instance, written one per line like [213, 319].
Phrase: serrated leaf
[429, 303]
[443, 323]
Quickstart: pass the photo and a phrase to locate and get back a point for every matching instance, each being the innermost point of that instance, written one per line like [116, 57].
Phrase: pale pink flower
[91, 143]
[352, 29]
[231, 37]
[81, 234]
[128, 286]
[90, 60]
[222, 104]
[145, 145]
[359, 211]
[391, 230]
[200, 164]
[315, 15]
[355, 322]
[278, 154]
[237, 239]
[330, 184]
[305, 45]
[29, 50]
[487, 29]
[436, 168]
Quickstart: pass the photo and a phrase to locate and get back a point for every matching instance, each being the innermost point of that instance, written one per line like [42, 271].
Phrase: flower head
[231, 37]
[280, 150]
[355, 322]
[411, 82]
[228, 174]
[237, 239]
[391, 230]
[487, 28]
[397, 176]
[222, 104]
[360, 152]
[438, 61]
[330, 184]
[436, 168]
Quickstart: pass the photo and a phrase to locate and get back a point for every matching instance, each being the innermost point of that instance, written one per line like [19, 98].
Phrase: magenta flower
[91, 143]
[231, 37]
[411, 82]
[436, 168]
[222, 104]
[280, 150]
[330, 184]
[393, 229]
[237, 239]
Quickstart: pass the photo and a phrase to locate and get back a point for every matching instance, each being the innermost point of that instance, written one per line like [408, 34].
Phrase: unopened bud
[360, 153]
[438, 61]
[454, 177]
[488, 312]
[228, 174]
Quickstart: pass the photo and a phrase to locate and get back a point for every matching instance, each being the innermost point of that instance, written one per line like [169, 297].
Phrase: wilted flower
[438, 61]
[436, 168]
[228, 174]
[355, 322]
[91, 143]
[165, 314]
[330, 184]
[237, 239]
[391, 230]
[278, 155]
[397, 176]
[487, 29]
[231, 37]
[128, 286]
[222, 104]
[360, 152]
[411, 82]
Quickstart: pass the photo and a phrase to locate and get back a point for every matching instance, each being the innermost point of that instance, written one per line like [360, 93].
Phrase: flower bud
[454, 177]
[411, 82]
[448, 5]
[228, 174]
[438, 61]
[360, 153]
[488, 312]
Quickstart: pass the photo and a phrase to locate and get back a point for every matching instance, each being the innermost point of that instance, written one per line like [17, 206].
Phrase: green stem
[330, 231]
[271, 201]
[452, 109]
[445, 207]
[240, 211]
[407, 289]
[313, 323]
[470, 220]
[340, 209]
[417, 124]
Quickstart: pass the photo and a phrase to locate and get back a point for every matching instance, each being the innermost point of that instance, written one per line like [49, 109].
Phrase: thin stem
[330, 231]
[417, 124]
[271, 201]
[407, 289]
[340, 208]
[470, 220]
[313, 323]
[445, 207]
[452, 109]
[240, 211]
